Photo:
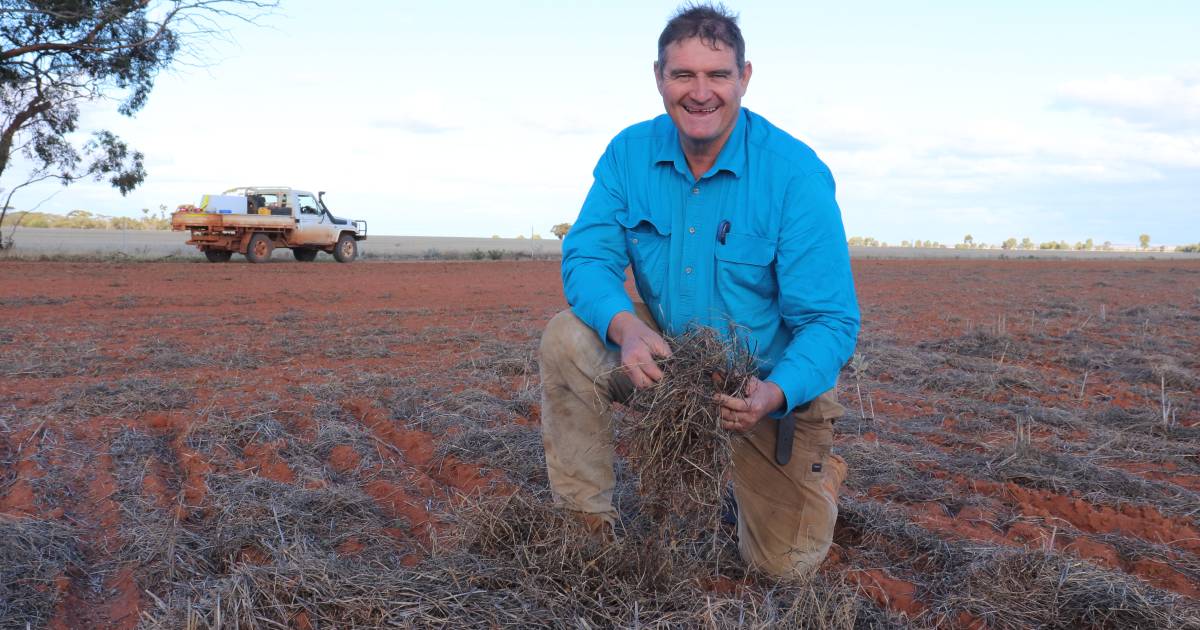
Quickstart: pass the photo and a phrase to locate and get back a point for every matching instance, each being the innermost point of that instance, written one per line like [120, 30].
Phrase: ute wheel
[304, 254]
[346, 249]
[218, 255]
[259, 249]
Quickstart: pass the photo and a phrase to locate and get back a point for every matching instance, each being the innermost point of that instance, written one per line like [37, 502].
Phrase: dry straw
[35, 556]
[675, 441]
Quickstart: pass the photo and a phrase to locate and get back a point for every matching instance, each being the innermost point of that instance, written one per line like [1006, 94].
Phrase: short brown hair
[711, 23]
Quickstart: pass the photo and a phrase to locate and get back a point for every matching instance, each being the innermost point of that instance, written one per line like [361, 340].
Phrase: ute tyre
[346, 249]
[259, 249]
[218, 255]
[305, 254]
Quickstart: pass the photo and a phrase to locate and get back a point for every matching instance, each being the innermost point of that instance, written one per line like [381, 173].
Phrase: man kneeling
[728, 222]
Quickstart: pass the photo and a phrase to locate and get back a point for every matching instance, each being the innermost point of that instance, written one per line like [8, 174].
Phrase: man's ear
[658, 78]
[746, 72]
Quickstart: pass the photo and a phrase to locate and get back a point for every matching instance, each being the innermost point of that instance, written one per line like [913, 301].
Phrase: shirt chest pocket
[744, 265]
[648, 241]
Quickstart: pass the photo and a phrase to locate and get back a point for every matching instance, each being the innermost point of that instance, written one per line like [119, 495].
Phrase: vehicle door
[313, 227]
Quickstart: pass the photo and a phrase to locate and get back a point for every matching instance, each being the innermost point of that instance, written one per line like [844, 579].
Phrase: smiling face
[702, 92]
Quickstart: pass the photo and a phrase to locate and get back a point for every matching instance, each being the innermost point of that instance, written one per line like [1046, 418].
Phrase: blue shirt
[781, 276]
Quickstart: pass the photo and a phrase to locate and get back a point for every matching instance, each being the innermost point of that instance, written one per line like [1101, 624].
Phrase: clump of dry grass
[220, 429]
[882, 464]
[44, 358]
[1024, 463]
[250, 520]
[503, 358]
[34, 556]
[124, 397]
[514, 449]
[1006, 587]
[676, 444]
[512, 562]
[979, 342]
[1037, 589]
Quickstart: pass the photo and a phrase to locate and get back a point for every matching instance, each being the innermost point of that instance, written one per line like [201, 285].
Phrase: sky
[1060, 120]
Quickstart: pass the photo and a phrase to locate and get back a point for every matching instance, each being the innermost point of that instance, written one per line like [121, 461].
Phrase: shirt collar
[732, 157]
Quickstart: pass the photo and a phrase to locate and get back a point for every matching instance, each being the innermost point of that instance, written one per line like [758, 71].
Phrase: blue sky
[1064, 122]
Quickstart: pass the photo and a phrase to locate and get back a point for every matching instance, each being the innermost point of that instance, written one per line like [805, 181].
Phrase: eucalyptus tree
[57, 55]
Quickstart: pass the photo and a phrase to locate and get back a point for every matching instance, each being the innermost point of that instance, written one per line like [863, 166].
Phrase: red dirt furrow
[155, 484]
[344, 459]
[1142, 521]
[1159, 471]
[888, 592]
[433, 479]
[264, 460]
[21, 499]
[195, 472]
[119, 600]
[976, 522]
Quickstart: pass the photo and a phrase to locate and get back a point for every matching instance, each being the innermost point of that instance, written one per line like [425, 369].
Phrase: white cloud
[412, 125]
[1159, 102]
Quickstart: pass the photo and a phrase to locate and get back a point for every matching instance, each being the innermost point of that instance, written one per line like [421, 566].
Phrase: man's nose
[701, 89]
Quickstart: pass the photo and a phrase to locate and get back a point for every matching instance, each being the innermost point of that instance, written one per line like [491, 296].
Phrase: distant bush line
[82, 219]
[1026, 243]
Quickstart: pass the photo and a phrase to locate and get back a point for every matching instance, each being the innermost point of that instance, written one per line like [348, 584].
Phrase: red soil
[432, 315]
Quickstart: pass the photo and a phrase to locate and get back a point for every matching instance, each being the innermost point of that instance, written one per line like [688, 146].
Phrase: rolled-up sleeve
[816, 291]
[594, 254]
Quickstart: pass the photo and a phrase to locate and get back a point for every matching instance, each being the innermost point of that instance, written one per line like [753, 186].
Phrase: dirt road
[160, 243]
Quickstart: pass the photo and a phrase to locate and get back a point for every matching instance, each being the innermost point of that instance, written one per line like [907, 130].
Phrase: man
[724, 219]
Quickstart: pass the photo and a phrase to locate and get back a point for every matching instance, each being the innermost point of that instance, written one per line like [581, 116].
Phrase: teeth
[702, 111]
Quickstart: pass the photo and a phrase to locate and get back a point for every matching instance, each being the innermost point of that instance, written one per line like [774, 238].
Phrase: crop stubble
[1022, 439]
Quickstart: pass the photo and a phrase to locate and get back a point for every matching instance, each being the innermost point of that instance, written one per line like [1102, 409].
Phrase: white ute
[254, 220]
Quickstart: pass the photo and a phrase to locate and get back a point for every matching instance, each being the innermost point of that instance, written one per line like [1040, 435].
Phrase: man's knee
[563, 336]
[796, 558]
[787, 514]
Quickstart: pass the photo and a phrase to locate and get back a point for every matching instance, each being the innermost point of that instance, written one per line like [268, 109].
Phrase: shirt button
[688, 270]
[691, 230]
[635, 241]
[696, 190]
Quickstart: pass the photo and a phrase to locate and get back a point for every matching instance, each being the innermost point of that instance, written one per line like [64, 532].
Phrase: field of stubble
[334, 446]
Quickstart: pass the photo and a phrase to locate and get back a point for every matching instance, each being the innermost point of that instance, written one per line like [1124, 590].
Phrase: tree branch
[36, 107]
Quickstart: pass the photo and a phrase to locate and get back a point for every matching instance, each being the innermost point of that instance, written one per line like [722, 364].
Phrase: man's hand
[741, 414]
[639, 345]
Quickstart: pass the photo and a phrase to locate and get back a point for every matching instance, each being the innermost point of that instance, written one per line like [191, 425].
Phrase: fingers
[732, 404]
[652, 371]
[658, 346]
[639, 375]
[739, 422]
[637, 357]
[641, 368]
[737, 414]
[741, 414]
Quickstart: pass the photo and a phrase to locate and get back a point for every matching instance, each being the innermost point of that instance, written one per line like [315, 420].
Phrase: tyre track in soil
[414, 451]
[1066, 523]
[103, 594]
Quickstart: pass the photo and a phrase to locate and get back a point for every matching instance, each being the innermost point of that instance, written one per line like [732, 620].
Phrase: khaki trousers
[786, 513]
